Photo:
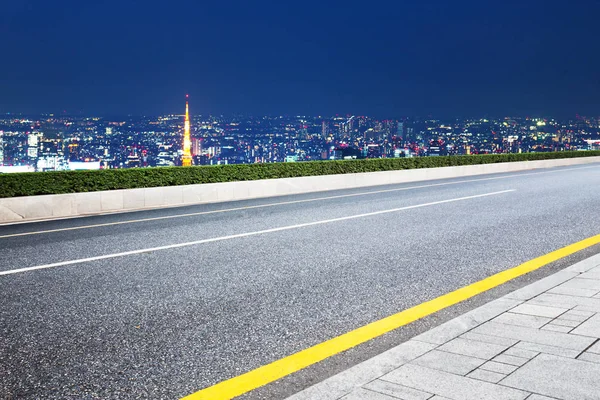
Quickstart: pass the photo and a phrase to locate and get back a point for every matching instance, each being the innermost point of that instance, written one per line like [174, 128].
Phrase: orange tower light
[187, 156]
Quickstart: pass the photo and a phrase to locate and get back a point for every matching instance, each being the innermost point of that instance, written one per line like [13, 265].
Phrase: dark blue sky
[381, 58]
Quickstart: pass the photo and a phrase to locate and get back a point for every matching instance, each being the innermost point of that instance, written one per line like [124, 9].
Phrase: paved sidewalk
[539, 342]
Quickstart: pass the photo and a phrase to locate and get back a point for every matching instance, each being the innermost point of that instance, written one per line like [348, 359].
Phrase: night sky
[385, 59]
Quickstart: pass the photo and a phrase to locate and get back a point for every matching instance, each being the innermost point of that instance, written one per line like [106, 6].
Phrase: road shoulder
[540, 340]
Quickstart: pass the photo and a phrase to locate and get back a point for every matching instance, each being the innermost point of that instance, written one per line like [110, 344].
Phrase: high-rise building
[1, 147]
[324, 129]
[196, 147]
[409, 135]
[400, 130]
[32, 145]
[186, 160]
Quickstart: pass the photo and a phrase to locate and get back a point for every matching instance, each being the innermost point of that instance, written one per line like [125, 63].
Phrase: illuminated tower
[187, 156]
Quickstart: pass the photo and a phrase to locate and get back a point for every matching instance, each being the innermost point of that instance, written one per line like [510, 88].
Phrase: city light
[61, 142]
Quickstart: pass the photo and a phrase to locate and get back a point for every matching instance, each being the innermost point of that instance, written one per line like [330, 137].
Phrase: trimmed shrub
[39, 183]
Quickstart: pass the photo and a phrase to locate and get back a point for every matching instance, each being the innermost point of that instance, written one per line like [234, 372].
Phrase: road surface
[163, 303]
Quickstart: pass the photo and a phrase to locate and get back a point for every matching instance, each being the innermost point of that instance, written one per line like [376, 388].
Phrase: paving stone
[345, 382]
[535, 335]
[448, 331]
[488, 376]
[595, 348]
[397, 391]
[558, 377]
[532, 321]
[456, 327]
[364, 394]
[591, 357]
[540, 301]
[570, 291]
[539, 397]
[590, 275]
[511, 360]
[541, 311]
[436, 397]
[489, 339]
[448, 362]
[565, 322]
[591, 327]
[534, 289]
[578, 283]
[557, 328]
[521, 353]
[498, 367]
[596, 268]
[557, 351]
[560, 300]
[585, 308]
[586, 314]
[568, 316]
[589, 264]
[452, 386]
[473, 348]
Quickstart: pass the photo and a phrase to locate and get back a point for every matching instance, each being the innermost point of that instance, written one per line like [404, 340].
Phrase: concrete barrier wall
[69, 205]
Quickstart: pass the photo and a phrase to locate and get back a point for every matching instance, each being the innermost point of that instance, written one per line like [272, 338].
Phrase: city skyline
[46, 143]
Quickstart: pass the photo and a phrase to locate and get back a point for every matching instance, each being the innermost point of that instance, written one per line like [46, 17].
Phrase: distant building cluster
[50, 142]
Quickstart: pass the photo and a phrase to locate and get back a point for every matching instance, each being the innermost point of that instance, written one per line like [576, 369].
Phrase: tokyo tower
[186, 160]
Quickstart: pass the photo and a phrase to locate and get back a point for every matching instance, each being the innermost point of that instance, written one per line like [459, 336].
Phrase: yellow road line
[278, 369]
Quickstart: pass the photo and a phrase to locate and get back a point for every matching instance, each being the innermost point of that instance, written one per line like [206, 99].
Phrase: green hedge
[38, 183]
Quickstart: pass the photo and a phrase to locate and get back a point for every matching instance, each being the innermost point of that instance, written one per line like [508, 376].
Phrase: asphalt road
[168, 322]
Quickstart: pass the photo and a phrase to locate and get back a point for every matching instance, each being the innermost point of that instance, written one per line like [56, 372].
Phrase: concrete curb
[347, 381]
[31, 208]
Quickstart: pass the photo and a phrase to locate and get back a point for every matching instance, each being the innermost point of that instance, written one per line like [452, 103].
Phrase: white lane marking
[241, 235]
[72, 228]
